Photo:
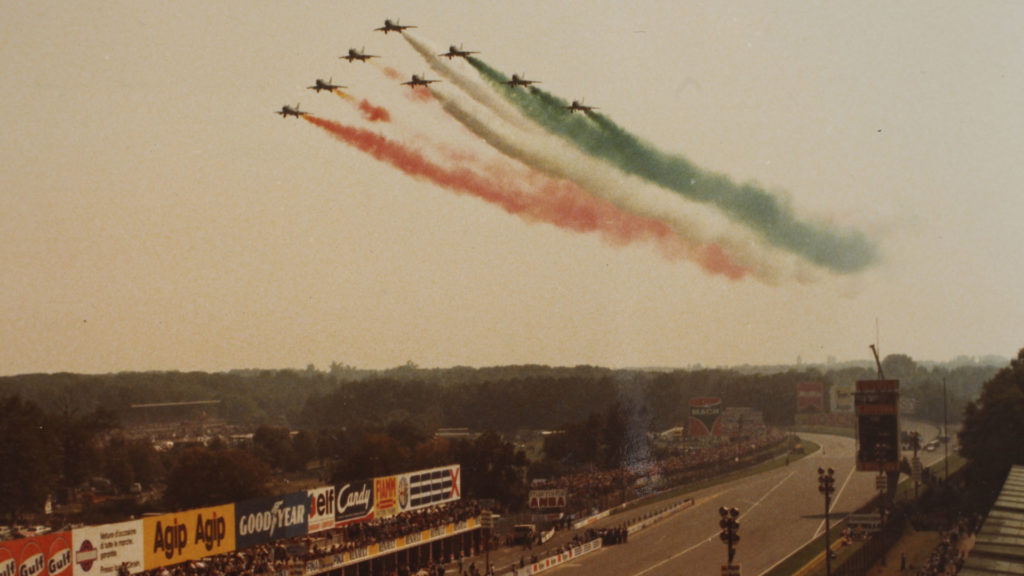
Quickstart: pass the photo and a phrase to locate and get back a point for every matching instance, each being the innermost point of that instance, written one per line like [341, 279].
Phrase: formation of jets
[578, 106]
[456, 52]
[390, 26]
[321, 85]
[417, 80]
[518, 80]
[354, 55]
[287, 111]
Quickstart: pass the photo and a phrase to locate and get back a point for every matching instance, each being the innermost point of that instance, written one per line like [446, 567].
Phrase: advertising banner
[355, 503]
[810, 397]
[705, 416]
[188, 535]
[100, 550]
[45, 555]
[843, 399]
[540, 499]
[429, 487]
[385, 496]
[321, 508]
[264, 520]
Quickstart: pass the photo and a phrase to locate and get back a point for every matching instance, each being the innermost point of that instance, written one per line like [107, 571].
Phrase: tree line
[62, 431]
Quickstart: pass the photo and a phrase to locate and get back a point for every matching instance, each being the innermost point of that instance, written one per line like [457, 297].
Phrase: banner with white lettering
[188, 535]
[264, 520]
[321, 509]
[46, 555]
[355, 503]
[100, 550]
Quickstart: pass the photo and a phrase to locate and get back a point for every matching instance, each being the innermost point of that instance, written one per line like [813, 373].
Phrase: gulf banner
[100, 550]
[264, 520]
[188, 535]
[810, 397]
[46, 555]
[705, 416]
[429, 487]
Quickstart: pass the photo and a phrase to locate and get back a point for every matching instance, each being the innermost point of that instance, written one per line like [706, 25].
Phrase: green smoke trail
[840, 251]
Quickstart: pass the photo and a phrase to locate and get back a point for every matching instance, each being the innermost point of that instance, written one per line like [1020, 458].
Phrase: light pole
[730, 526]
[826, 485]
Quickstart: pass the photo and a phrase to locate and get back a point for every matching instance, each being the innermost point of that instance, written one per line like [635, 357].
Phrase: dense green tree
[27, 445]
[273, 445]
[492, 468]
[205, 477]
[994, 425]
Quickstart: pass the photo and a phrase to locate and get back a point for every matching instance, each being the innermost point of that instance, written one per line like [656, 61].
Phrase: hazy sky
[156, 215]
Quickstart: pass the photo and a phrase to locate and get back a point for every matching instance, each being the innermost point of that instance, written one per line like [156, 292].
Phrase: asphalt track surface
[780, 511]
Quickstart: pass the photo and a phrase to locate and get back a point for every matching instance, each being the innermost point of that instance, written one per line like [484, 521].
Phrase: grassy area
[812, 556]
[917, 545]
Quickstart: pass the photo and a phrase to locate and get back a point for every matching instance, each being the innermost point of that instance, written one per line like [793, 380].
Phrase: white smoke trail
[500, 125]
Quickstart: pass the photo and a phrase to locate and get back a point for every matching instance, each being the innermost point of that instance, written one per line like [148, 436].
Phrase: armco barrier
[552, 561]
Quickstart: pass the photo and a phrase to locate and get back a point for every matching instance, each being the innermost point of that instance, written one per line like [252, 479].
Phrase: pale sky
[156, 215]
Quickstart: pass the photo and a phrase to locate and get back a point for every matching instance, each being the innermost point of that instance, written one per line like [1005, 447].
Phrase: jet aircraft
[321, 85]
[578, 106]
[354, 55]
[453, 52]
[417, 81]
[287, 111]
[390, 26]
[518, 80]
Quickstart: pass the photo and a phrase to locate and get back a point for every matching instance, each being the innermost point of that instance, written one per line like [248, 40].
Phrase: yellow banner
[188, 535]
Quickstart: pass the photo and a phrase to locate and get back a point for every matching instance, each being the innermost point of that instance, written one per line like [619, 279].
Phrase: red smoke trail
[374, 113]
[391, 73]
[559, 202]
[420, 94]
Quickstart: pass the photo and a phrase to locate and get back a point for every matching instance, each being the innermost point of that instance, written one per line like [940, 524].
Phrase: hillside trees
[27, 444]
[994, 425]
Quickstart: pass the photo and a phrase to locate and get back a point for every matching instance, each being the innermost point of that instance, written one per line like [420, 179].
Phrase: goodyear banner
[188, 535]
[46, 555]
[100, 550]
[264, 520]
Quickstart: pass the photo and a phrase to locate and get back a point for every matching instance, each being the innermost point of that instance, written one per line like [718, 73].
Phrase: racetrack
[780, 511]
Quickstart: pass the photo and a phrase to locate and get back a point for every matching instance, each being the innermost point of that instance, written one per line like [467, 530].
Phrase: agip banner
[46, 555]
[100, 550]
[188, 535]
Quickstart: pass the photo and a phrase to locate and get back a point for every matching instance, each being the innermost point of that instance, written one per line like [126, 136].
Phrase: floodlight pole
[826, 485]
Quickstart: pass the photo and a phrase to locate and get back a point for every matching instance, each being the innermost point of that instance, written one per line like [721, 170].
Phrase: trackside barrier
[552, 561]
[545, 536]
[353, 556]
[655, 518]
[591, 519]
